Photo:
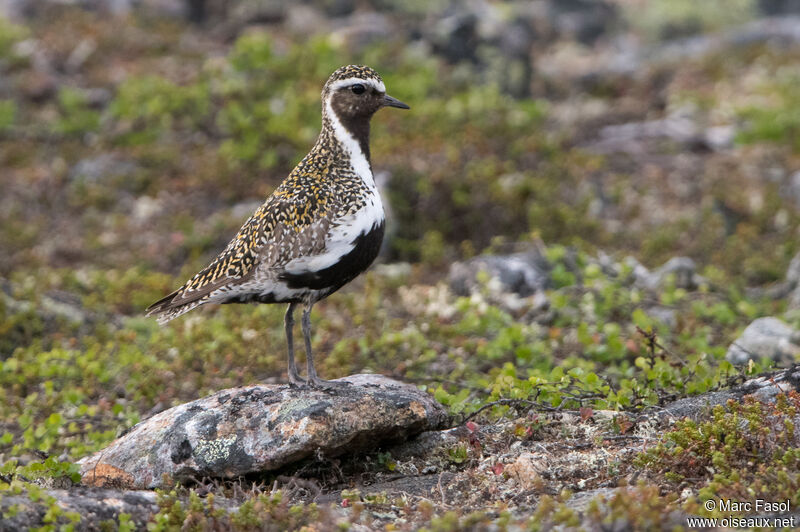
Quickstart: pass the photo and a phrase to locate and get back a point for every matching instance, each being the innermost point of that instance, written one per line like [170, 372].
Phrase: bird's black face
[350, 97]
[360, 100]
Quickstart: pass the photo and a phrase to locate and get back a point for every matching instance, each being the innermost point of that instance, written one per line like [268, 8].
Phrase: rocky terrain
[589, 283]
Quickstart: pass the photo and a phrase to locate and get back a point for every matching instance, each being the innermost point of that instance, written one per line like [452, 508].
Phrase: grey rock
[764, 388]
[639, 272]
[681, 269]
[765, 338]
[261, 428]
[521, 273]
[361, 30]
[684, 271]
[793, 271]
[792, 188]
[632, 137]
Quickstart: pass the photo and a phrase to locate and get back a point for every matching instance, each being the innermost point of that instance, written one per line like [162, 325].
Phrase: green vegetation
[717, 454]
[264, 512]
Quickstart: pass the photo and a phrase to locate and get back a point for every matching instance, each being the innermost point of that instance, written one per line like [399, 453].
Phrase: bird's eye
[358, 88]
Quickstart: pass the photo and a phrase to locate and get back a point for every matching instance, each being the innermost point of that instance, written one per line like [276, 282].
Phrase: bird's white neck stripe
[357, 158]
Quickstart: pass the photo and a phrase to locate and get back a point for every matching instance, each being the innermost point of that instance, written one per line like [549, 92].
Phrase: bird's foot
[296, 381]
[319, 384]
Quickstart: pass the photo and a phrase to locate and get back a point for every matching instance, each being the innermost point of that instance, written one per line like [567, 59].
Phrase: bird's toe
[295, 381]
[319, 384]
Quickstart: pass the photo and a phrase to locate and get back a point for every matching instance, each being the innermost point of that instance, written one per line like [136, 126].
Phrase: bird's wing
[287, 226]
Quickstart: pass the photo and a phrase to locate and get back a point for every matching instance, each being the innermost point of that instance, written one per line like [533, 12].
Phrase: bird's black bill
[388, 101]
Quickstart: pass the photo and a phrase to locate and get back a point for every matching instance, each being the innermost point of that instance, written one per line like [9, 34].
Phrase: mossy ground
[124, 175]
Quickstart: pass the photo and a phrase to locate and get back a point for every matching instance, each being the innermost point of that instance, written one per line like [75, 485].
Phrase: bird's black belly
[348, 267]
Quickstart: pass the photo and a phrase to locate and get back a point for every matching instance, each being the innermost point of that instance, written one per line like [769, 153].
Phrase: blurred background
[594, 141]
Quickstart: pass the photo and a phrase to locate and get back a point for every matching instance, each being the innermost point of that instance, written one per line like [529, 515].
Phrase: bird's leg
[313, 379]
[288, 322]
[312, 373]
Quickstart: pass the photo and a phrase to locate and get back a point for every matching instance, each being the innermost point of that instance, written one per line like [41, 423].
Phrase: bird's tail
[170, 307]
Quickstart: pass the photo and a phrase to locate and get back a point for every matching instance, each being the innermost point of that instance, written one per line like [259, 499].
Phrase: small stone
[523, 274]
[525, 471]
[262, 428]
[720, 137]
[145, 208]
[681, 269]
[793, 272]
[764, 338]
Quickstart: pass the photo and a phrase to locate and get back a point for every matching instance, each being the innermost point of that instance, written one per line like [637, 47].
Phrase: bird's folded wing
[280, 231]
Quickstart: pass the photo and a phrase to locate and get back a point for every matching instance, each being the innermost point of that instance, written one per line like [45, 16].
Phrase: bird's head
[355, 93]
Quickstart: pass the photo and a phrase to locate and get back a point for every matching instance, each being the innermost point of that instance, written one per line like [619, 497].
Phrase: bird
[318, 230]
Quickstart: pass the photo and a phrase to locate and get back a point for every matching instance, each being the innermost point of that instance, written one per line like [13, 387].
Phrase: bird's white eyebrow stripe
[377, 85]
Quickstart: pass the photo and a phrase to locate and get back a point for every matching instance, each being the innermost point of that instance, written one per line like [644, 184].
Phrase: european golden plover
[316, 232]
